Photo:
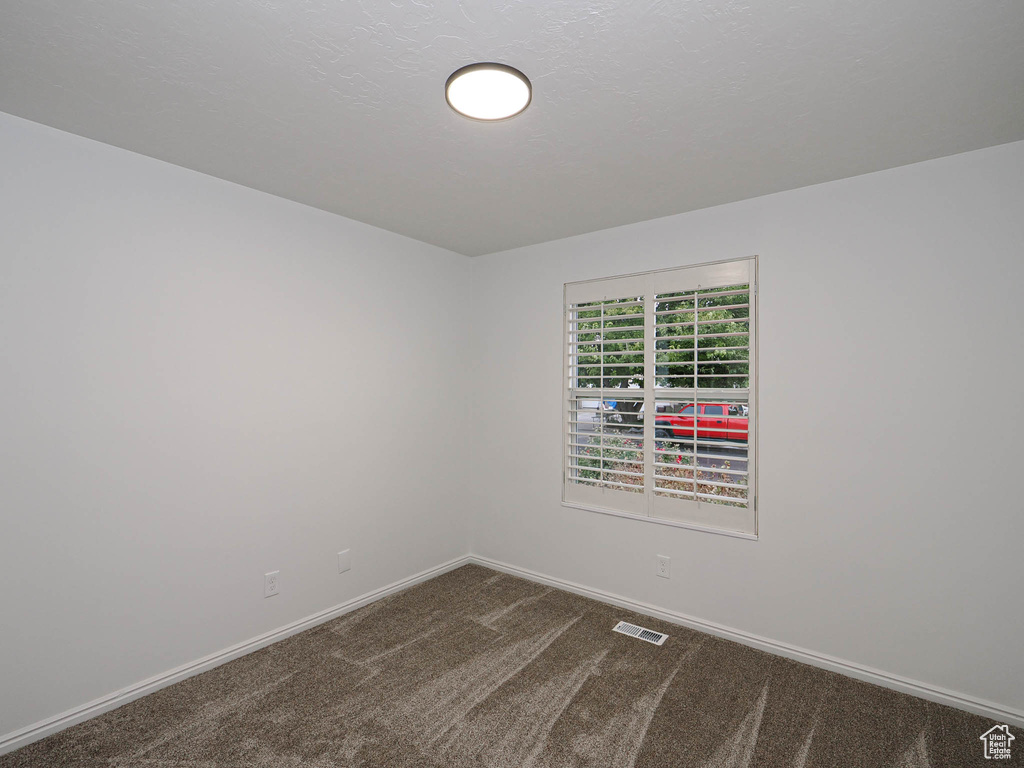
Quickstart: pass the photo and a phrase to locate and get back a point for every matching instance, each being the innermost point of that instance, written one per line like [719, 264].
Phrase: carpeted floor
[483, 670]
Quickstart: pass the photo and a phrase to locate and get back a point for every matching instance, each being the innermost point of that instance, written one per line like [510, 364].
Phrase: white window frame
[741, 522]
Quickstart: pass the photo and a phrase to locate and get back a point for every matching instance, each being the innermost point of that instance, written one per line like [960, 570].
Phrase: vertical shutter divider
[696, 392]
[600, 402]
[650, 406]
[568, 391]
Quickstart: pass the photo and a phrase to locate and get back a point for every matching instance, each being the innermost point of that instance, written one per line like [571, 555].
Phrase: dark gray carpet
[482, 670]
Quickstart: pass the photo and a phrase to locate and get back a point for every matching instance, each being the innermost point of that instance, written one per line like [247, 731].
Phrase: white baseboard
[934, 693]
[16, 739]
[27, 735]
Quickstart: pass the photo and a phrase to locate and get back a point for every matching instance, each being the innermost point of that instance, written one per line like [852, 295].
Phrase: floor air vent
[633, 630]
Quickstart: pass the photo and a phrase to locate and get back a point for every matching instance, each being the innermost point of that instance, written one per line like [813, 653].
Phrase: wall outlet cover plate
[663, 567]
[271, 583]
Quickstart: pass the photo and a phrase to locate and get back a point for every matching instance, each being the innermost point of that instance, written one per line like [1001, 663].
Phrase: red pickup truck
[715, 421]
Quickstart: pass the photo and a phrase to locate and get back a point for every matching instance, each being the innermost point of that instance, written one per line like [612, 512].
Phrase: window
[660, 407]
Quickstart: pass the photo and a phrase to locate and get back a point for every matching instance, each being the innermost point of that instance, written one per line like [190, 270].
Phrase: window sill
[661, 521]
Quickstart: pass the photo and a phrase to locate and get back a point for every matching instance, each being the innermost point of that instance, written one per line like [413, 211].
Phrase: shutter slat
[700, 481]
[608, 483]
[740, 472]
[607, 471]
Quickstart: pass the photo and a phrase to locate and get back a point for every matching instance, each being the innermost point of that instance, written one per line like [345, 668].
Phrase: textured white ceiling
[641, 108]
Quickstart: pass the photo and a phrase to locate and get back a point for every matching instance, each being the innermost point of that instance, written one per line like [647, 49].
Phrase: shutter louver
[702, 387]
[606, 373]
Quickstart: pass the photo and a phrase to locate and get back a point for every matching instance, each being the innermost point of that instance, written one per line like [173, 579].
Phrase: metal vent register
[624, 627]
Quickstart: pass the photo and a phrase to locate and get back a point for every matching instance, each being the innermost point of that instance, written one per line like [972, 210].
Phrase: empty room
[534, 384]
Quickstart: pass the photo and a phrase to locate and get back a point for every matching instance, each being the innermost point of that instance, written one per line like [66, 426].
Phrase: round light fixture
[488, 91]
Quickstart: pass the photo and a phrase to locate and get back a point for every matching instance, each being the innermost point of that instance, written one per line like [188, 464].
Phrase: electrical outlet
[271, 583]
[345, 560]
[664, 567]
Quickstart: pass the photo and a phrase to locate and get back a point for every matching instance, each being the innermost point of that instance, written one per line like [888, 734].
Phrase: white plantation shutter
[605, 456]
[660, 396]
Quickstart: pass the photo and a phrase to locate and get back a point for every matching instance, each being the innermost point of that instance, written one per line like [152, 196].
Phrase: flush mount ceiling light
[488, 91]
